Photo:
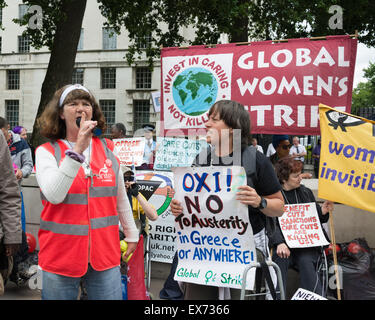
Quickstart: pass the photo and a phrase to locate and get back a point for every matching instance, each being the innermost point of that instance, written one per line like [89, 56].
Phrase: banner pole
[318, 38]
[133, 169]
[334, 252]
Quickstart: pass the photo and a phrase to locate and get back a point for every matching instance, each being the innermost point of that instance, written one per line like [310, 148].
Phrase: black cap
[148, 127]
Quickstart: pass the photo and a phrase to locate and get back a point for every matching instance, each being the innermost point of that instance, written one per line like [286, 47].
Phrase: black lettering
[217, 200]
[190, 203]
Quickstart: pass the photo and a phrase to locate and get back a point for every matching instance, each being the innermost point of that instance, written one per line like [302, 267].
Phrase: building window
[108, 78]
[23, 44]
[109, 110]
[80, 42]
[22, 10]
[141, 113]
[12, 112]
[144, 42]
[143, 78]
[109, 39]
[77, 76]
[13, 79]
[1, 42]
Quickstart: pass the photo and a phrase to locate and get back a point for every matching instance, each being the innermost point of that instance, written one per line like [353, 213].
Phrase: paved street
[12, 292]
[159, 271]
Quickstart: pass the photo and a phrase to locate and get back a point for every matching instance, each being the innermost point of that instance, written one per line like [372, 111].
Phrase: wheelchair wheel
[322, 273]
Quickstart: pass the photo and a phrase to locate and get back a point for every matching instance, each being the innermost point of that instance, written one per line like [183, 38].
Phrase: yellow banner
[347, 159]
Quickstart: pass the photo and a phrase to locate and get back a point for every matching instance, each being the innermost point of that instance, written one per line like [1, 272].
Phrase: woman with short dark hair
[234, 115]
[262, 196]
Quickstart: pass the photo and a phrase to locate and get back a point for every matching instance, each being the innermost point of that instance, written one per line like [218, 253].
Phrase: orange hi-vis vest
[86, 222]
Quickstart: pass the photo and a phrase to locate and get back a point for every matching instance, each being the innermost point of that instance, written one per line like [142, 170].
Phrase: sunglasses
[285, 147]
[128, 178]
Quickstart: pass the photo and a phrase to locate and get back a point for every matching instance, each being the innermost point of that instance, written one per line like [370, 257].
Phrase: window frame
[145, 106]
[106, 78]
[109, 39]
[9, 114]
[24, 44]
[109, 115]
[143, 78]
[76, 75]
[13, 82]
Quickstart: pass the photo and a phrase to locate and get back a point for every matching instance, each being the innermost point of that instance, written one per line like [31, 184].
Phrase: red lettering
[205, 61]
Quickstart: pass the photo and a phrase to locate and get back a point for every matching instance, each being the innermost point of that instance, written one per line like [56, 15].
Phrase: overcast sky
[364, 56]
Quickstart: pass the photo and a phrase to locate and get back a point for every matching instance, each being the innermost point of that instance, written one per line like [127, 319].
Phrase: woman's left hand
[248, 196]
[327, 207]
[131, 249]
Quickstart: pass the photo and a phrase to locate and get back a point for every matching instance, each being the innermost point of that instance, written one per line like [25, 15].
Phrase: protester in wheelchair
[305, 260]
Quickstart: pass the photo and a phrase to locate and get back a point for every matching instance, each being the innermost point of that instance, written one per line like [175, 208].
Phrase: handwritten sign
[130, 148]
[214, 235]
[301, 227]
[176, 152]
[302, 294]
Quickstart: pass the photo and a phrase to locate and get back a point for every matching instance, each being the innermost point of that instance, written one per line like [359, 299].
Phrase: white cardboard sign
[129, 150]
[301, 227]
[214, 236]
[303, 294]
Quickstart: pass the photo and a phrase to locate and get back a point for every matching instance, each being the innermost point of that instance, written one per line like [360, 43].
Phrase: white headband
[70, 89]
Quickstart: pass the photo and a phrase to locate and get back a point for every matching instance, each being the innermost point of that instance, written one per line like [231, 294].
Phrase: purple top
[316, 151]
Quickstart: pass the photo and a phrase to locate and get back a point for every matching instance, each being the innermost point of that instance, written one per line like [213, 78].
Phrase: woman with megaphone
[84, 200]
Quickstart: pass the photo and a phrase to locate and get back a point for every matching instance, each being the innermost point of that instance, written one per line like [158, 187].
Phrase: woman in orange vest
[84, 200]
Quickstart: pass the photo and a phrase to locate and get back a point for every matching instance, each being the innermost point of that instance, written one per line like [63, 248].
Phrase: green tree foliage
[239, 19]
[163, 20]
[364, 93]
[53, 14]
[59, 31]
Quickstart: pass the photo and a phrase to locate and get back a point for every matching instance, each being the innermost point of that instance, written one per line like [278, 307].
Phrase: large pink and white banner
[280, 84]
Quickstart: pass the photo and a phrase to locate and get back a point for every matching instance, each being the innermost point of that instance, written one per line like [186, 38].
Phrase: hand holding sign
[176, 207]
[248, 196]
[327, 207]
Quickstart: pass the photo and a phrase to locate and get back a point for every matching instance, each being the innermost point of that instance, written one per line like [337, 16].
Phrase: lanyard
[295, 194]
